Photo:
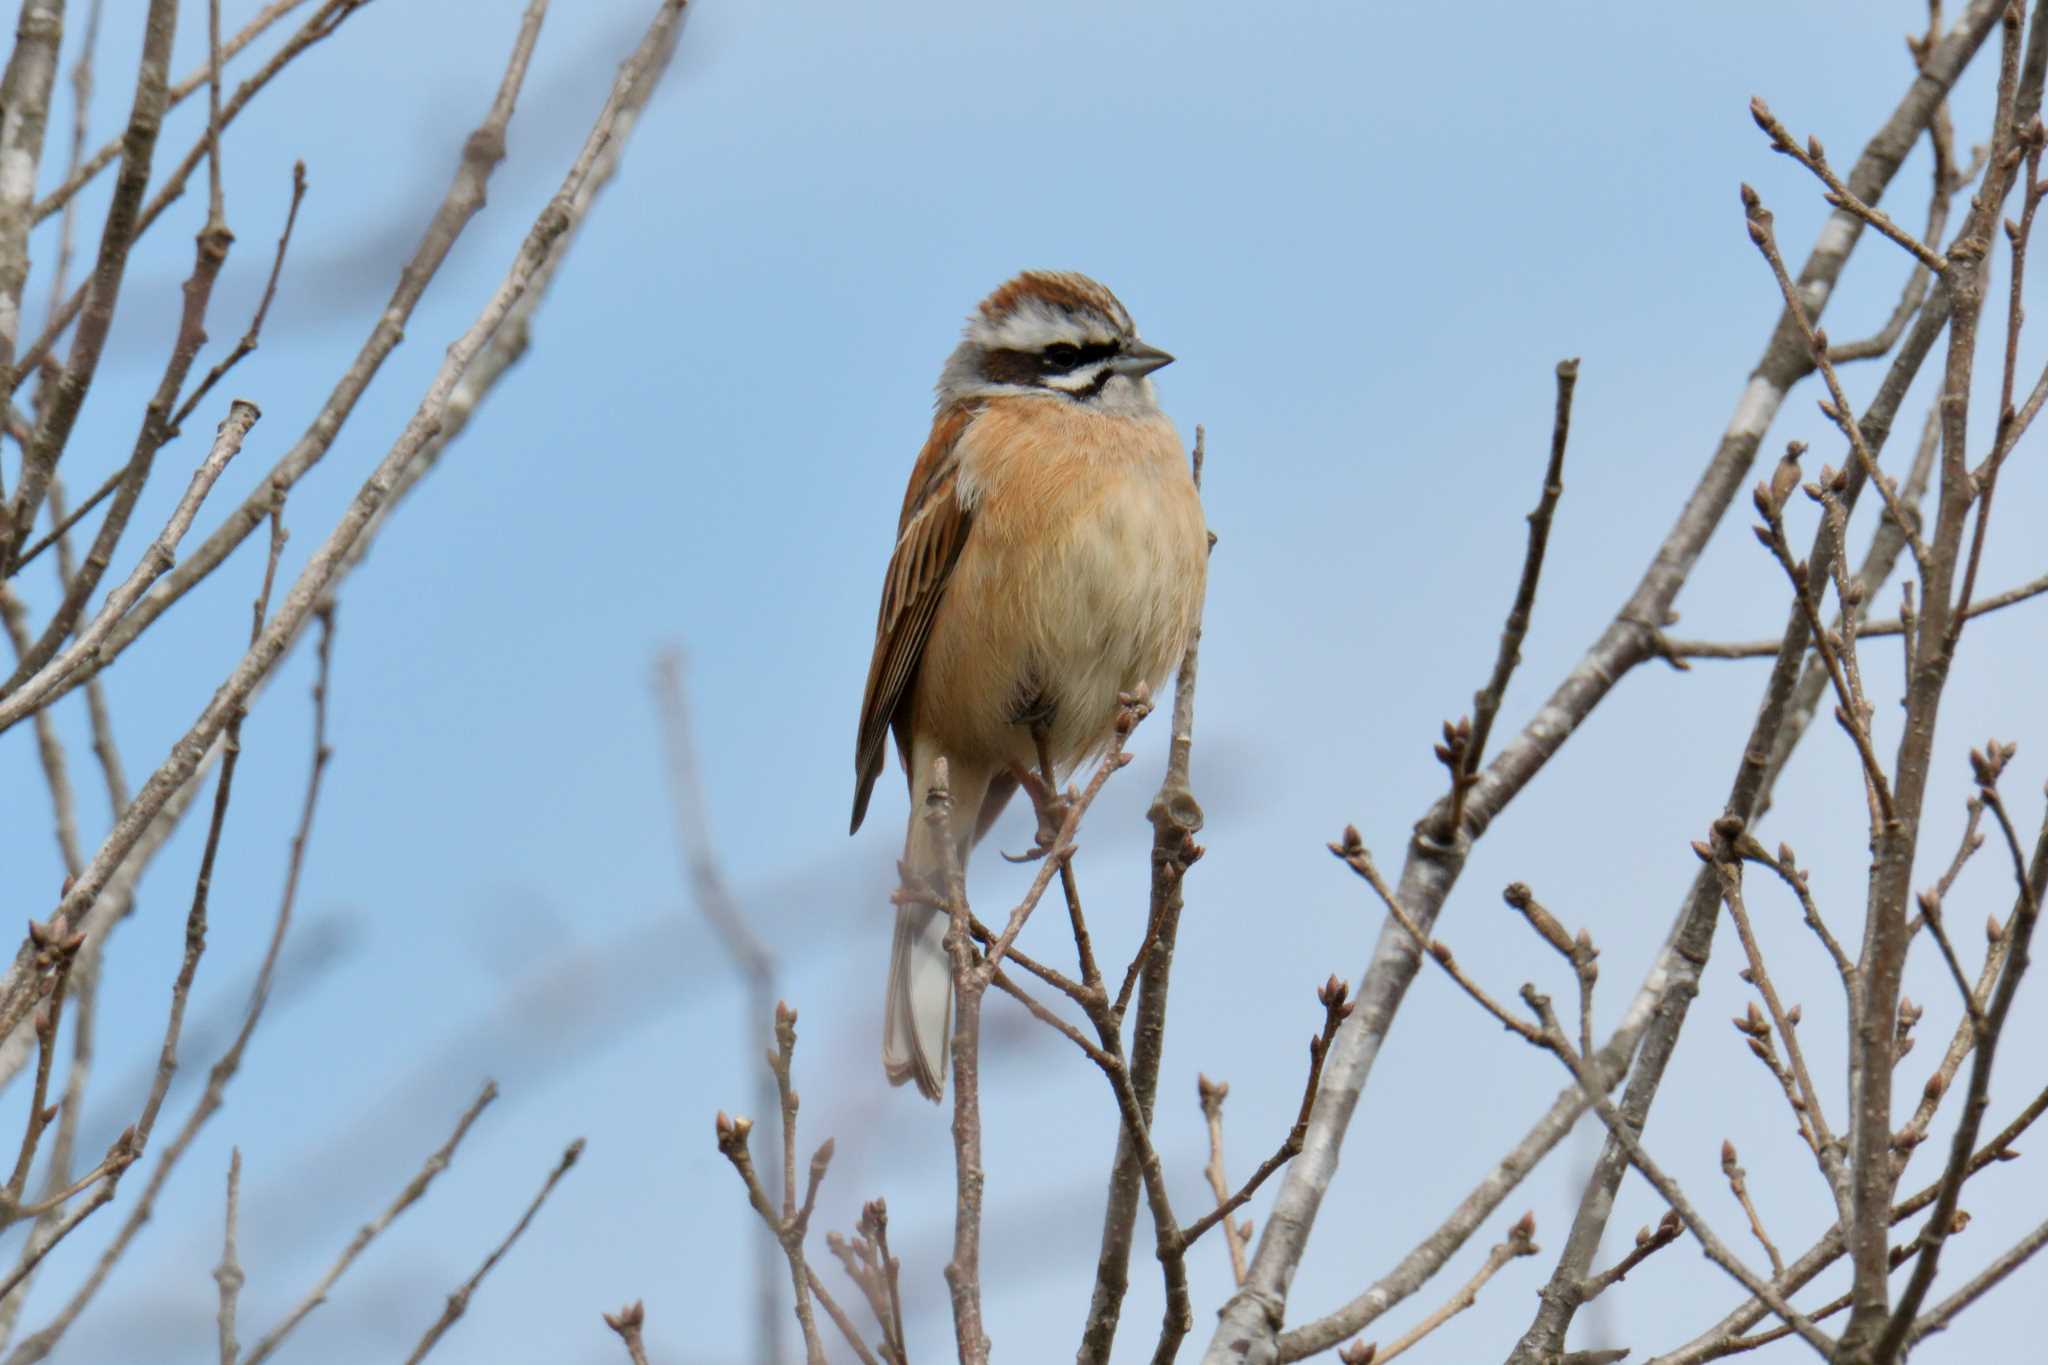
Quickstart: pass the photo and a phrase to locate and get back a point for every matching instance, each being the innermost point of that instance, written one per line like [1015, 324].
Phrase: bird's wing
[932, 529]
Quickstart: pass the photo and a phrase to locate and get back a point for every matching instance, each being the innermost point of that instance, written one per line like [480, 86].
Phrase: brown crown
[1060, 288]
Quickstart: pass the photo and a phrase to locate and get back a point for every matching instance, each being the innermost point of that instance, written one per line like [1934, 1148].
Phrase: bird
[1051, 554]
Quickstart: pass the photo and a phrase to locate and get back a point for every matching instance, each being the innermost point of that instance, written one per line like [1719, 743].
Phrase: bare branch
[1763, 649]
[1988, 763]
[1649, 1241]
[323, 23]
[1839, 195]
[458, 1302]
[254, 333]
[1336, 1009]
[24, 114]
[1486, 704]
[98, 293]
[1827, 1151]
[32, 693]
[228, 1274]
[328, 563]
[414, 1190]
[1943, 1313]
[82, 173]
[1738, 1185]
[1236, 1235]
[750, 956]
[1247, 1332]
[1521, 1241]
[126, 1149]
[1622, 1133]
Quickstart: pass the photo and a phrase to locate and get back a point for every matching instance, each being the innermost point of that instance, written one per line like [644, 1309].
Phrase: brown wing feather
[931, 531]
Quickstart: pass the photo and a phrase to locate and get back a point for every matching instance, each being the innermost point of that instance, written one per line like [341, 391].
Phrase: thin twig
[1236, 1235]
[327, 564]
[1521, 1241]
[98, 294]
[1486, 703]
[32, 693]
[789, 1223]
[1875, 1329]
[1930, 911]
[458, 1302]
[216, 216]
[1354, 853]
[1853, 713]
[877, 1275]
[254, 332]
[1988, 764]
[322, 24]
[125, 1151]
[25, 95]
[1738, 1184]
[1839, 195]
[1764, 649]
[1728, 864]
[1649, 1241]
[1786, 866]
[1943, 1313]
[82, 173]
[750, 956]
[627, 1322]
[407, 1197]
[228, 1274]
[1718, 1253]
[482, 152]
[1332, 995]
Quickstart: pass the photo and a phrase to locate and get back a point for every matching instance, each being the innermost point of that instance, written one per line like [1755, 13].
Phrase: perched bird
[1050, 555]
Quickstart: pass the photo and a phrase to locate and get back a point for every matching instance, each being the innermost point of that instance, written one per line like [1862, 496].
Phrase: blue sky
[1368, 234]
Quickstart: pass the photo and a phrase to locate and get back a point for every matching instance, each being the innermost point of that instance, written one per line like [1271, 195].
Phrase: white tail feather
[918, 1018]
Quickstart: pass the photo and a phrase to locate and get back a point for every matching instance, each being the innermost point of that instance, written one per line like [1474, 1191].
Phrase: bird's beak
[1140, 359]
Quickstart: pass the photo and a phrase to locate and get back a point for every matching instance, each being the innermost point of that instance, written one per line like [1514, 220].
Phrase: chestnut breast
[1081, 578]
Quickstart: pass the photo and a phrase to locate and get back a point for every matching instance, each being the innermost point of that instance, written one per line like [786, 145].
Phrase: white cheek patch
[1127, 396]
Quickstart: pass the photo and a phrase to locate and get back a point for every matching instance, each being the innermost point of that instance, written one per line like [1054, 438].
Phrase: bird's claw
[1051, 807]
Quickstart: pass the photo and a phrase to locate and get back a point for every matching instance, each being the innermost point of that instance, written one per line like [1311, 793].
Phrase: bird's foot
[1052, 807]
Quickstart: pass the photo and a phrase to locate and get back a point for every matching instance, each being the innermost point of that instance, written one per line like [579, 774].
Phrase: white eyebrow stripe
[1034, 326]
[1074, 381]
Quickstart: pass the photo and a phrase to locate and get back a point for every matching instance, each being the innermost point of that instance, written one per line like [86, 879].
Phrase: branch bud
[1786, 475]
[1332, 992]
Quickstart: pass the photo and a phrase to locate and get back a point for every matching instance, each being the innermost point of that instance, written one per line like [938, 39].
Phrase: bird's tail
[917, 1018]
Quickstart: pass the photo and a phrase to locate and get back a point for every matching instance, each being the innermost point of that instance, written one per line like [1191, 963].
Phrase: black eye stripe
[1031, 368]
[1064, 357]
[1011, 367]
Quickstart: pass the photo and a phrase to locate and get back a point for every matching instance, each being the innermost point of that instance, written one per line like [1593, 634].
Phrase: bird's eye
[1062, 356]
